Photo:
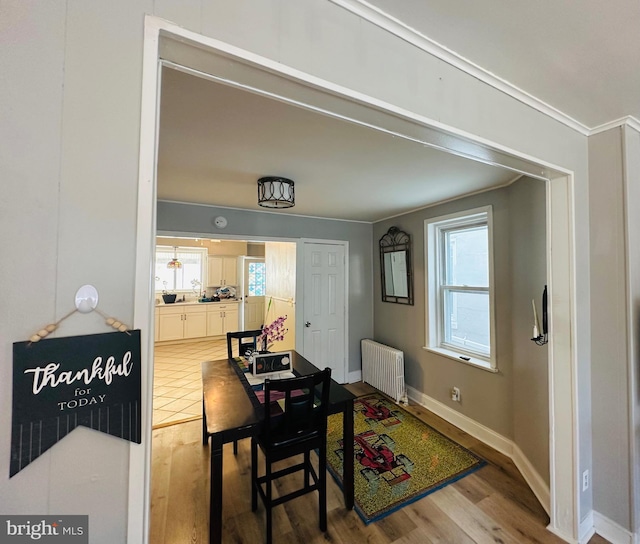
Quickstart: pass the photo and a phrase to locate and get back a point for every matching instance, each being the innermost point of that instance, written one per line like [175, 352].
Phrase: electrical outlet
[585, 480]
[455, 394]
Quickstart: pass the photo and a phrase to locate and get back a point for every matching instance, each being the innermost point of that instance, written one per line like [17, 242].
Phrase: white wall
[69, 147]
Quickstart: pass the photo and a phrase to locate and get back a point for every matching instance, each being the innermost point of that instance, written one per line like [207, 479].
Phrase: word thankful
[49, 375]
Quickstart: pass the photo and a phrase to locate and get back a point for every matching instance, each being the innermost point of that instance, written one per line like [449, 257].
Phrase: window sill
[478, 363]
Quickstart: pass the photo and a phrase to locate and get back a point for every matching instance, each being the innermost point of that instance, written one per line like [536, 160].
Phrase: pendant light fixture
[276, 192]
[174, 263]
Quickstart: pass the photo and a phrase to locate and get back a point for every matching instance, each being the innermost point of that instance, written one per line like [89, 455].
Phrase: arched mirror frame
[396, 272]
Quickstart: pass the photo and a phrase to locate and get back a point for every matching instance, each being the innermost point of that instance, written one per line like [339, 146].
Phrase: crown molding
[383, 20]
[628, 121]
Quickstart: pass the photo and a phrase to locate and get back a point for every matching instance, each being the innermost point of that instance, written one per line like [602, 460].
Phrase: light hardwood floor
[491, 505]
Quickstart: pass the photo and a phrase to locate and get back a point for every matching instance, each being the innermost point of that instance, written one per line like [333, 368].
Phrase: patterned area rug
[398, 458]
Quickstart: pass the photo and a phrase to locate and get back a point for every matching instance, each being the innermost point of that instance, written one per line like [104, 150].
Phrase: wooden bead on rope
[43, 333]
[118, 325]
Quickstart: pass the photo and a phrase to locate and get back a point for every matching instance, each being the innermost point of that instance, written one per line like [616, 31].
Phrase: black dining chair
[295, 423]
[245, 339]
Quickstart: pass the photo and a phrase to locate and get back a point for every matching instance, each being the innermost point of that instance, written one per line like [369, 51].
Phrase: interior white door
[253, 301]
[324, 307]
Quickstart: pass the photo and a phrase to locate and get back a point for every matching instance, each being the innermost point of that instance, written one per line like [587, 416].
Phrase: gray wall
[631, 156]
[198, 220]
[486, 396]
[515, 401]
[528, 276]
[70, 143]
[614, 392]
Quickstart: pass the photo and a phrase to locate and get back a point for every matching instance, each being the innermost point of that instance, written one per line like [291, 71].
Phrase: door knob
[307, 324]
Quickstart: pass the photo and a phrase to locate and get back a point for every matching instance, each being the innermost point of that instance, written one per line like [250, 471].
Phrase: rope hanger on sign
[86, 301]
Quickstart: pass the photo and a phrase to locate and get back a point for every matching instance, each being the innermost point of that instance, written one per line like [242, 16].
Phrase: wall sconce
[276, 192]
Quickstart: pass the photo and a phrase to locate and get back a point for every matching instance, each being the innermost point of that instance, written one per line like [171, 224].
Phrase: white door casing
[324, 307]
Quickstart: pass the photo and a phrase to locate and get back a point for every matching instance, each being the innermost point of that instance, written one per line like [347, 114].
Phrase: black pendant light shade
[276, 192]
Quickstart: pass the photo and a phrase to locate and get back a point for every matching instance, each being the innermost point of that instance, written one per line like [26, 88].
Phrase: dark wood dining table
[230, 413]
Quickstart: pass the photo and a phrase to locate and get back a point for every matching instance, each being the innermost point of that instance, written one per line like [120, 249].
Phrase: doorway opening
[241, 68]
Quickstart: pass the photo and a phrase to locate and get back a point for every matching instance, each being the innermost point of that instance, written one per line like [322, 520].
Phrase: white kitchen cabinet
[222, 271]
[222, 318]
[231, 319]
[195, 322]
[178, 322]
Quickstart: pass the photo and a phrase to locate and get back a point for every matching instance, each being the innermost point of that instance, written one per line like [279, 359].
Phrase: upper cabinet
[222, 271]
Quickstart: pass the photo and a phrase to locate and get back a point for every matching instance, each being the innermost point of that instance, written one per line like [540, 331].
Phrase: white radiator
[383, 367]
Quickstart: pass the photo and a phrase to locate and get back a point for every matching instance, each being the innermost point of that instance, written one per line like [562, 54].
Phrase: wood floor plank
[500, 480]
[473, 488]
[188, 504]
[471, 519]
[516, 521]
[434, 525]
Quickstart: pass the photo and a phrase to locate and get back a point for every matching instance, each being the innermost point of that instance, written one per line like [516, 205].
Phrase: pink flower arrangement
[273, 333]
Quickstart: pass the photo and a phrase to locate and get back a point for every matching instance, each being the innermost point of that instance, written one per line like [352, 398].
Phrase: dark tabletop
[229, 411]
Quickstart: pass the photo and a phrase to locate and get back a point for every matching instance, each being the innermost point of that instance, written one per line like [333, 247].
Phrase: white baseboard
[491, 438]
[587, 529]
[530, 474]
[355, 376]
[613, 532]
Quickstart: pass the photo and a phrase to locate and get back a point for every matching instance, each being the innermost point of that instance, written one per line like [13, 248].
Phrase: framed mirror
[396, 267]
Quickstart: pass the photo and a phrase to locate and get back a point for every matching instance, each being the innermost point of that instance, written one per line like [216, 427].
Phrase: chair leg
[307, 464]
[205, 438]
[268, 505]
[322, 487]
[235, 447]
[254, 475]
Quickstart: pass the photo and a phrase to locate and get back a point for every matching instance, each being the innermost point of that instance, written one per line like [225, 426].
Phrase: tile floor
[177, 385]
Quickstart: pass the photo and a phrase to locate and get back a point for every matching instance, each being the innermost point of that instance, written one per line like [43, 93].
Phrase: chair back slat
[306, 404]
[246, 340]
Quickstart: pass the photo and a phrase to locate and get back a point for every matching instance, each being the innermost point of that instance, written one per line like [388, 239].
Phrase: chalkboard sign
[61, 383]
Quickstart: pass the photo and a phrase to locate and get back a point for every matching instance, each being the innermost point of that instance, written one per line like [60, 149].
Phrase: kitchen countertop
[195, 302]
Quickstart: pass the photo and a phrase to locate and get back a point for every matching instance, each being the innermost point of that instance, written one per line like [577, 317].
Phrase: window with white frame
[186, 278]
[460, 307]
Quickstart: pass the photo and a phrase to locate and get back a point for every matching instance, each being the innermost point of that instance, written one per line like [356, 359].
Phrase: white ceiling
[582, 58]
[216, 141]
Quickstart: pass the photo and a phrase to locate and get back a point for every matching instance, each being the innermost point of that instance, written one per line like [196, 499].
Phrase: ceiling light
[174, 263]
[275, 192]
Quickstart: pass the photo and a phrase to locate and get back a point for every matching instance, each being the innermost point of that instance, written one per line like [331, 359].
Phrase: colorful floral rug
[398, 458]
